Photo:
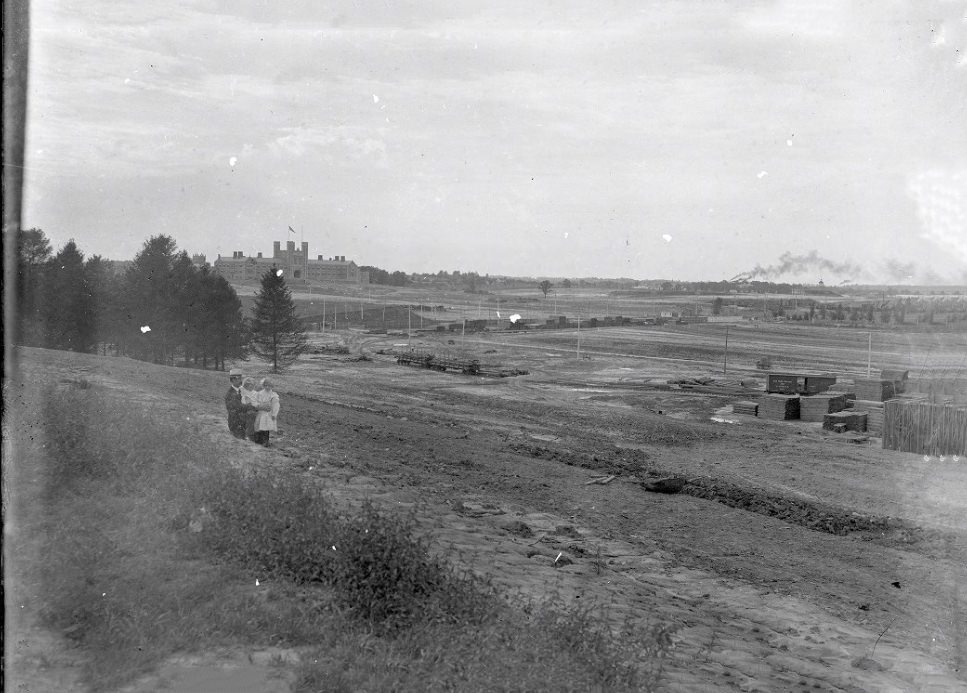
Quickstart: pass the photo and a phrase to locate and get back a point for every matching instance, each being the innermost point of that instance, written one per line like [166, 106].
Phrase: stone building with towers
[299, 268]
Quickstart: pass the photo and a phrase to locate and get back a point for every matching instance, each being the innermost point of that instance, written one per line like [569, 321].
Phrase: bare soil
[792, 559]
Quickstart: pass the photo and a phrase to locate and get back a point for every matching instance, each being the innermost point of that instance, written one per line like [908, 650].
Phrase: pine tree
[277, 334]
[69, 308]
[149, 300]
[33, 255]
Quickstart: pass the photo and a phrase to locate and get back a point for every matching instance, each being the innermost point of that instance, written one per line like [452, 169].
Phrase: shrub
[376, 563]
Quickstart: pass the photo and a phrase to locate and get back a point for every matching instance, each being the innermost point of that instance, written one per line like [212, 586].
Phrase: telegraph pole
[869, 355]
[725, 364]
[579, 338]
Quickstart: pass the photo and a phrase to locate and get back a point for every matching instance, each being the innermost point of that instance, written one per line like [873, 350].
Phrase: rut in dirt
[811, 515]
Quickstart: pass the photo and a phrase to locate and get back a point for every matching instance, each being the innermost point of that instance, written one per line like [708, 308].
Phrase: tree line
[162, 308]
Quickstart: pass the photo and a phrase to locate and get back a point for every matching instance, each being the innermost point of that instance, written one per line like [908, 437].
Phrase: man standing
[233, 404]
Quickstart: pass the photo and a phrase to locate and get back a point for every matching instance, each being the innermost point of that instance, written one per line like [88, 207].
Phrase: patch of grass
[133, 571]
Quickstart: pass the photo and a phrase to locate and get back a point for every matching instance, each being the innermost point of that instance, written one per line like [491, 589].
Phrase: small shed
[897, 376]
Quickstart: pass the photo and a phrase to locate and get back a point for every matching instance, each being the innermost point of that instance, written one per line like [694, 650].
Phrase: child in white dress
[267, 416]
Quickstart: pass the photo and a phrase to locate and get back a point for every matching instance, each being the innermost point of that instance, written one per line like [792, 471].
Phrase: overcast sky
[677, 139]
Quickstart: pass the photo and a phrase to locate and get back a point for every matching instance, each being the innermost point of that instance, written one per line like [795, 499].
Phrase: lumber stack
[924, 428]
[874, 414]
[845, 421]
[815, 407]
[874, 389]
[749, 408]
[779, 407]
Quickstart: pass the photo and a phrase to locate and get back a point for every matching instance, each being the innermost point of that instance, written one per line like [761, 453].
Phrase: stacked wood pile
[750, 408]
[845, 421]
[874, 389]
[874, 412]
[779, 407]
[815, 407]
[923, 428]
[444, 363]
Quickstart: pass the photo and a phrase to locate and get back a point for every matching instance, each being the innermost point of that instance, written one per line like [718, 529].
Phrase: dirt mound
[811, 515]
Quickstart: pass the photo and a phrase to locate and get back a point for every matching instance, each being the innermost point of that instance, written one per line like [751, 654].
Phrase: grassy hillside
[154, 543]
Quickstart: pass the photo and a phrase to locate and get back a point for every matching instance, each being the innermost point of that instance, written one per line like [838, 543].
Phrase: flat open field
[793, 560]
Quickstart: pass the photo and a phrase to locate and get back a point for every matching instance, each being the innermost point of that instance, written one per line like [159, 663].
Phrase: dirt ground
[812, 563]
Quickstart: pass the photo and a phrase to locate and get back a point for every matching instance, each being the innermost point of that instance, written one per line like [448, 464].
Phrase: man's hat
[235, 371]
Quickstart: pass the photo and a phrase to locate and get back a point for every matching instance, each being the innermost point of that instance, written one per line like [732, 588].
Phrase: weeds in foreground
[130, 584]
[375, 563]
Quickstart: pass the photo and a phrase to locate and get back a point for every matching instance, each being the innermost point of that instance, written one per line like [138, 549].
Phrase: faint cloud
[339, 141]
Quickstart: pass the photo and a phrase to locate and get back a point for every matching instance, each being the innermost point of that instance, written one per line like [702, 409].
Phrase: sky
[679, 139]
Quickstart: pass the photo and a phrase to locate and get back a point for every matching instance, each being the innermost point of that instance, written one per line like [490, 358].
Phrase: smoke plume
[800, 264]
[897, 271]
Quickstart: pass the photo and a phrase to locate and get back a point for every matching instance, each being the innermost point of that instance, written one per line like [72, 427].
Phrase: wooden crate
[798, 383]
[782, 383]
[814, 384]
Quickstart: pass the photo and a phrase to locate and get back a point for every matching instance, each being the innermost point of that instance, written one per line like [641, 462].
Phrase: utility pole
[323, 314]
[579, 336]
[409, 326]
[869, 355]
[725, 364]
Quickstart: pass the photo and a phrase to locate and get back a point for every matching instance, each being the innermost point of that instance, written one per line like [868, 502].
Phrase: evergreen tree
[149, 301]
[105, 287]
[69, 308]
[277, 334]
[220, 327]
[33, 253]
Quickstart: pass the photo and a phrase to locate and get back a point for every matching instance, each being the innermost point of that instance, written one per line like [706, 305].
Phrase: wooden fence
[926, 429]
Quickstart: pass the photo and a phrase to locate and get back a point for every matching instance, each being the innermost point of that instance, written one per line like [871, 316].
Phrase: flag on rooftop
[291, 230]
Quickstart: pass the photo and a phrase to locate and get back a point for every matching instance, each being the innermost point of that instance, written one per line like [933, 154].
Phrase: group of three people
[252, 413]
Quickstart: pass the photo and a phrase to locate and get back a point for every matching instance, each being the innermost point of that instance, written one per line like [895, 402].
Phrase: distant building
[297, 265]
[199, 261]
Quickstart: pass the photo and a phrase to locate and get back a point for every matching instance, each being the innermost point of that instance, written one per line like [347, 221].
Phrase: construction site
[788, 501]
[800, 482]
